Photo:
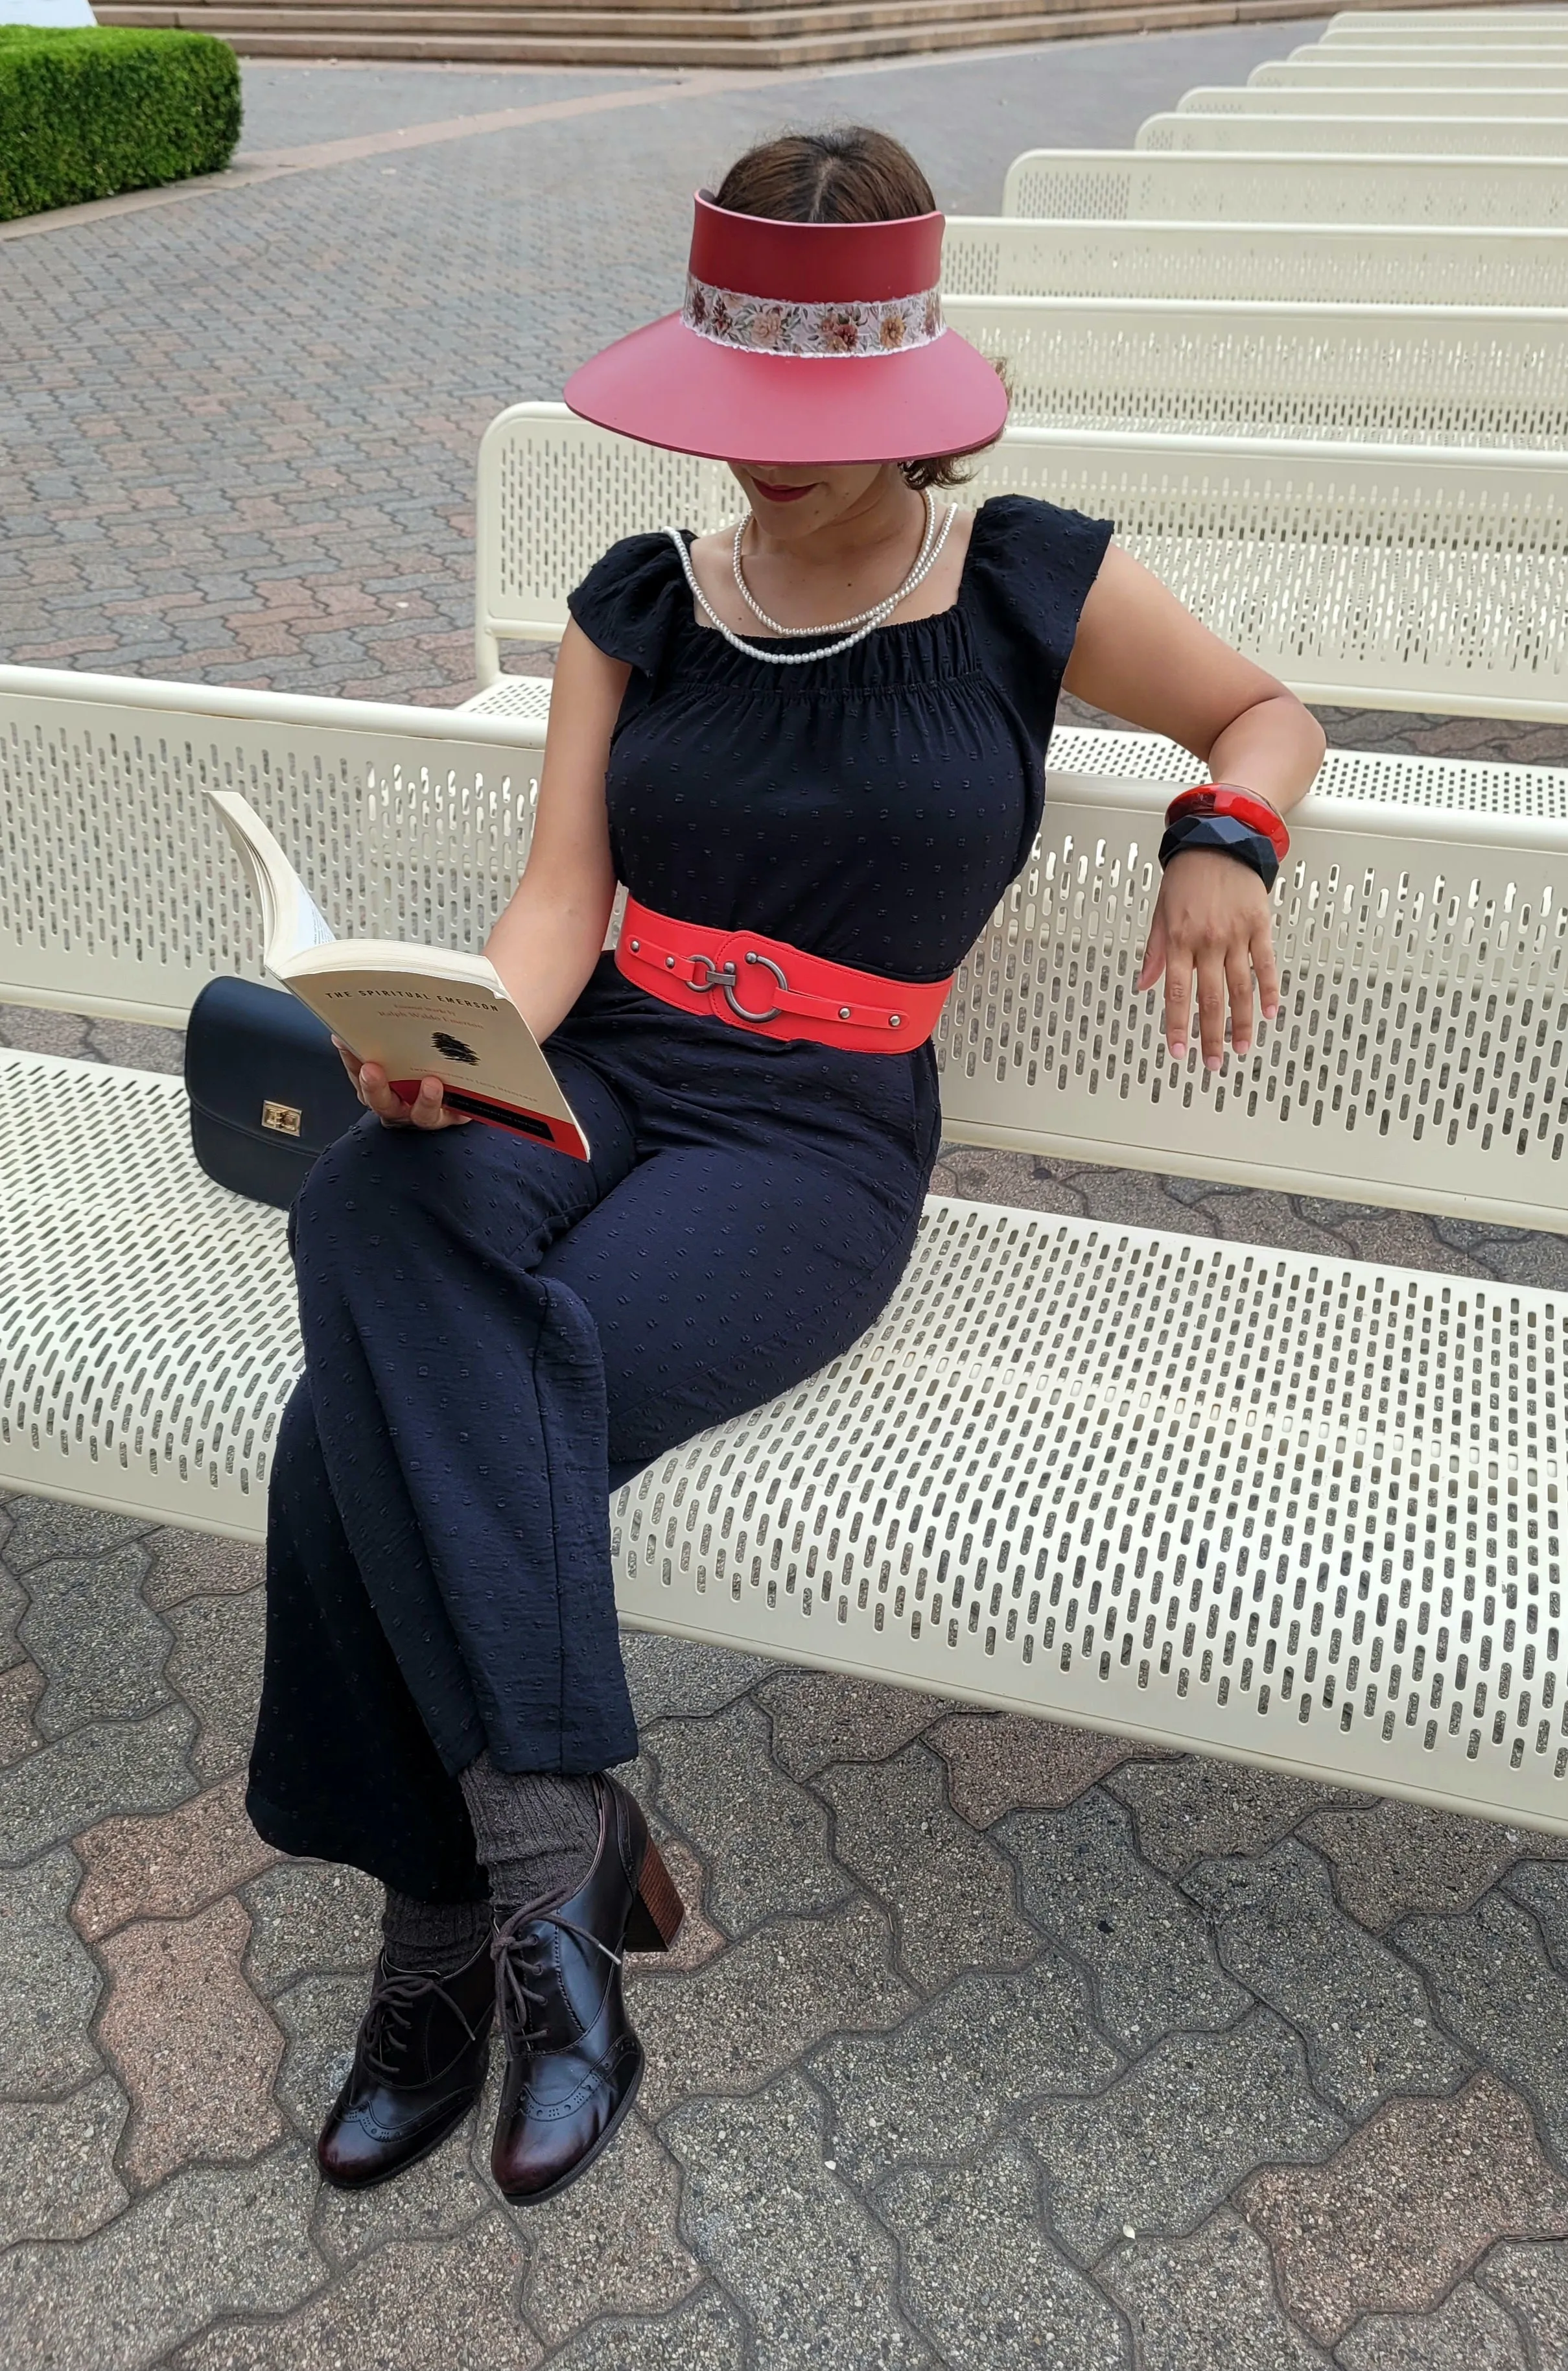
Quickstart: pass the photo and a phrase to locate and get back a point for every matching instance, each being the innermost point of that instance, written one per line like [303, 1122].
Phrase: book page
[292, 921]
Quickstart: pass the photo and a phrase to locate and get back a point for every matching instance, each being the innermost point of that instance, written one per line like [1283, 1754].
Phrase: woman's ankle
[536, 1834]
[432, 1937]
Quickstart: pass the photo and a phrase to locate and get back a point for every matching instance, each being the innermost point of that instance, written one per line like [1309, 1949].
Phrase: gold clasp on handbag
[285, 1119]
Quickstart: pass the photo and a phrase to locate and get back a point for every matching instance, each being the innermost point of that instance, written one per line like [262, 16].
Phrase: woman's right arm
[547, 942]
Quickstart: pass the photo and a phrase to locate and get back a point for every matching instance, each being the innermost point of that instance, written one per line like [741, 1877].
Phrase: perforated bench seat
[1300, 1512]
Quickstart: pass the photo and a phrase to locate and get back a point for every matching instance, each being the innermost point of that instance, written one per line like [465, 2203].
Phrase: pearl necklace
[867, 622]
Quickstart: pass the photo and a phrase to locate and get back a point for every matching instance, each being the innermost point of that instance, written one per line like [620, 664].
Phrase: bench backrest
[1527, 95]
[1384, 578]
[1000, 255]
[119, 892]
[1422, 1057]
[1407, 70]
[1474, 136]
[1371, 374]
[1427, 24]
[1151, 185]
[1454, 44]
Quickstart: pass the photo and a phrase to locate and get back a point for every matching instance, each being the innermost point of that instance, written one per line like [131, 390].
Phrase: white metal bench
[1382, 577]
[1300, 1512]
[1476, 137]
[1407, 70]
[1151, 185]
[1297, 263]
[1469, 43]
[1407, 375]
[1528, 95]
[1360, 24]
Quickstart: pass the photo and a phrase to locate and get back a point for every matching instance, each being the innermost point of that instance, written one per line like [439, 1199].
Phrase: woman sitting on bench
[813, 749]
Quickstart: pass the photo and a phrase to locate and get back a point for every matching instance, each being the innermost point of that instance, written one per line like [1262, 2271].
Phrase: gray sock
[436, 1937]
[536, 1834]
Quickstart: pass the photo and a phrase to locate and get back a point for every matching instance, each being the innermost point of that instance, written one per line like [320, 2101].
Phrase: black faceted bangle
[1222, 836]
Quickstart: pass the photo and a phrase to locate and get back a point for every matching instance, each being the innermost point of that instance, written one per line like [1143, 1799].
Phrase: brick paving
[989, 2044]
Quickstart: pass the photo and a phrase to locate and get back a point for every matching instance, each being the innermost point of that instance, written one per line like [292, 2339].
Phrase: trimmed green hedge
[86, 114]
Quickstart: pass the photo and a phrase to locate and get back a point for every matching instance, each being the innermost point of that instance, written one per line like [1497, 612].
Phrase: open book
[422, 1012]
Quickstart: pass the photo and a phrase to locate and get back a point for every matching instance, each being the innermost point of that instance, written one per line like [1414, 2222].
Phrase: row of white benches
[1456, 90]
[1296, 1509]
[1375, 576]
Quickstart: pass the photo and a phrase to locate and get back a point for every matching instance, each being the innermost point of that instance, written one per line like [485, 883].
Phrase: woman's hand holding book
[370, 1083]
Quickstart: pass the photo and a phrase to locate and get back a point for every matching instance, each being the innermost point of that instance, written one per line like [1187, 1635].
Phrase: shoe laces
[389, 2021]
[518, 1947]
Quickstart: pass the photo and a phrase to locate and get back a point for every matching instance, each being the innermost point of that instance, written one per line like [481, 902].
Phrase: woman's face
[795, 500]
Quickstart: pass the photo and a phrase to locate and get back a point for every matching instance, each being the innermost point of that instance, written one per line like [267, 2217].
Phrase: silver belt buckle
[725, 976]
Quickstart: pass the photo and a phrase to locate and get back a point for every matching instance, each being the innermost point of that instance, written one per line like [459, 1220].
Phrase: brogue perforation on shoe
[574, 2062]
[419, 2066]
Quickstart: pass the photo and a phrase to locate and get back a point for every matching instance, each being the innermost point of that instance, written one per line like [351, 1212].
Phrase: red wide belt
[772, 989]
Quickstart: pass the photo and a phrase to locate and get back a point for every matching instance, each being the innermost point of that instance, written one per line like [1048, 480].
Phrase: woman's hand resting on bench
[1143, 656]
[370, 1083]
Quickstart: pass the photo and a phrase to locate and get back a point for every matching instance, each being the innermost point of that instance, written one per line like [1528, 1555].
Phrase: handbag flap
[259, 1061]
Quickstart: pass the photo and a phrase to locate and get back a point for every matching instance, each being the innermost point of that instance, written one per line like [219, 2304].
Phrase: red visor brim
[666, 384]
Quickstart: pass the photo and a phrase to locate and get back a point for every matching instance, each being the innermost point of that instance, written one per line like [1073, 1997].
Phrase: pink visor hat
[800, 342]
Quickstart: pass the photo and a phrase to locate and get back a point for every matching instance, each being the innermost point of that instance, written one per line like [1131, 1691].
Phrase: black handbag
[268, 1092]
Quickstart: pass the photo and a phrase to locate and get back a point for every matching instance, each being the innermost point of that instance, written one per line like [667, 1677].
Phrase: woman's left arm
[1142, 656]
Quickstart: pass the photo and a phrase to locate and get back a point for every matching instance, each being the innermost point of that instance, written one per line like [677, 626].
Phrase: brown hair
[849, 174]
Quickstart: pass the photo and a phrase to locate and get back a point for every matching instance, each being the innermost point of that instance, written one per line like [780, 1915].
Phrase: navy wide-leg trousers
[495, 1336]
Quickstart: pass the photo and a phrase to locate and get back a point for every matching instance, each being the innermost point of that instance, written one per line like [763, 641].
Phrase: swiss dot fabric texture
[496, 1335]
[872, 809]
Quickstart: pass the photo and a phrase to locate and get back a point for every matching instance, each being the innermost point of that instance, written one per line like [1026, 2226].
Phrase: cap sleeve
[629, 604]
[1030, 567]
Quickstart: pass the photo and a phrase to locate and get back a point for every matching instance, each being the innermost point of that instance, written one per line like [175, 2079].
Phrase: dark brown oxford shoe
[419, 2066]
[573, 2061]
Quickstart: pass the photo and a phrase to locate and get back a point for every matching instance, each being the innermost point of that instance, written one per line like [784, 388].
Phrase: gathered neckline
[802, 641]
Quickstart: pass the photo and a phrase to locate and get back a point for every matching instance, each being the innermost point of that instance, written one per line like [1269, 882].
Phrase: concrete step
[757, 19]
[736, 36]
[512, 16]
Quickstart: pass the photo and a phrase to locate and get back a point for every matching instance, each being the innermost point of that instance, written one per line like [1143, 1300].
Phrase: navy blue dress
[495, 1336]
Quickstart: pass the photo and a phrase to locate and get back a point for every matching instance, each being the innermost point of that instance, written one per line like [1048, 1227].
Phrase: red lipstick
[781, 494]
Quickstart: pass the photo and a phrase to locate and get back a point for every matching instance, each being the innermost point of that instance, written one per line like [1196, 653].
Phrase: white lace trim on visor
[767, 325]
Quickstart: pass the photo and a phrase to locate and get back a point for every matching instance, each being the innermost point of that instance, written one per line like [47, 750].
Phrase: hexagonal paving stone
[1165, 2145]
[1084, 1882]
[938, 2085]
[49, 1985]
[950, 1892]
[1366, 2019]
[813, 2270]
[984, 2279]
[765, 1838]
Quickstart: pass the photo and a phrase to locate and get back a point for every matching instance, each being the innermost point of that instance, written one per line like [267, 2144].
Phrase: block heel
[658, 1909]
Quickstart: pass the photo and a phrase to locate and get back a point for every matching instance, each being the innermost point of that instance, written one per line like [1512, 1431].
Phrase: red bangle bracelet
[1220, 799]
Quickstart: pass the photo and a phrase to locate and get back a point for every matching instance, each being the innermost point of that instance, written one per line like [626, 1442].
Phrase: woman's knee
[372, 1172]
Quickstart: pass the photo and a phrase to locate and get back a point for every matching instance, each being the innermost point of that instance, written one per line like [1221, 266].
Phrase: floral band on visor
[767, 325]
